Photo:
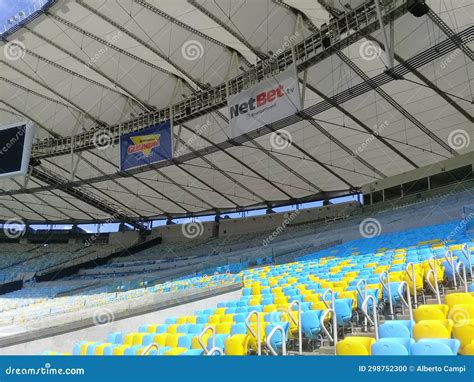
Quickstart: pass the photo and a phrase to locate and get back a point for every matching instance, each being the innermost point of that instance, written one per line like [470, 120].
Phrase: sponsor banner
[267, 102]
[147, 146]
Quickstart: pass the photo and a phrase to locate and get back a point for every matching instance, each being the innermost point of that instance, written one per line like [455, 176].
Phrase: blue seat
[239, 328]
[343, 311]
[392, 346]
[431, 347]
[471, 288]
[453, 344]
[185, 341]
[148, 339]
[310, 323]
[171, 320]
[203, 319]
[396, 329]
[276, 340]
[115, 338]
[240, 317]
[230, 310]
[192, 352]
[219, 341]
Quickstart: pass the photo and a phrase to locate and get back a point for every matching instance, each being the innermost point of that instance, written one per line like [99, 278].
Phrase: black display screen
[12, 142]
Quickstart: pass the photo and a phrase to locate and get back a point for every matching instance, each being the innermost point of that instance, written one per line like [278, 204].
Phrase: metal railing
[215, 350]
[386, 285]
[300, 333]
[373, 320]
[405, 288]
[252, 332]
[433, 271]
[333, 309]
[467, 254]
[463, 278]
[150, 347]
[410, 271]
[277, 328]
[362, 296]
[448, 255]
[213, 334]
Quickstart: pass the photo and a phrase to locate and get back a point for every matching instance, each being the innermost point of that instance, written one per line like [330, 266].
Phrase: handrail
[333, 308]
[467, 255]
[406, 302]
[283, 340]
[434, 288]
[204, 331]
[434, 268]
[388, 288]
[412, 277]
[300, 333]
[258, 334]
[464, 276]
[372, 319]
[448, 255]
[321, 323]
[150, 347]
[364, 296]
[214, 350]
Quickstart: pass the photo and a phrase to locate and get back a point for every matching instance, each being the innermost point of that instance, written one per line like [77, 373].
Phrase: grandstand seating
[274, 292]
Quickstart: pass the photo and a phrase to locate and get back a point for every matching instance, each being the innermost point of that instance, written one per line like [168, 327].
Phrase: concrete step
[326, 350]
[361, 334]
[306, 353]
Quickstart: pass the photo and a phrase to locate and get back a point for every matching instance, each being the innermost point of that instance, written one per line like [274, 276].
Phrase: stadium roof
[92, 70]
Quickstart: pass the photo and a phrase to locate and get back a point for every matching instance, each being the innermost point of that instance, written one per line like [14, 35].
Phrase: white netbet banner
[267, 102]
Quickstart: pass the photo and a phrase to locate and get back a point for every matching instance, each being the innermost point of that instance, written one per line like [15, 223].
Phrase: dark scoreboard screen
[15, 148]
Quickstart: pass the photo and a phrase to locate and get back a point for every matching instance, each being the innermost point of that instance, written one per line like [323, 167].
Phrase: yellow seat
[99, 350]
[195, 340]
[458, 298]
[214, 319]
[270, 308]
[83, 349]
[465, 334]
[152, 328]
[191, 320]
[128, 339]
[468, 349]
[181, 320]
[433, 329]
[236, 344]
[227, 318]
[160, 339]
[173, 328]
[431, 312]
[355, 346]
[281, 300]
[461, 313]
[175, 351]
[223, 328]
[119, 350]
[138, 338]
[172, 340]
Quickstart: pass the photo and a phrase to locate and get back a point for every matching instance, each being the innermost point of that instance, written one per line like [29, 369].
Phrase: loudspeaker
[417, 8]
